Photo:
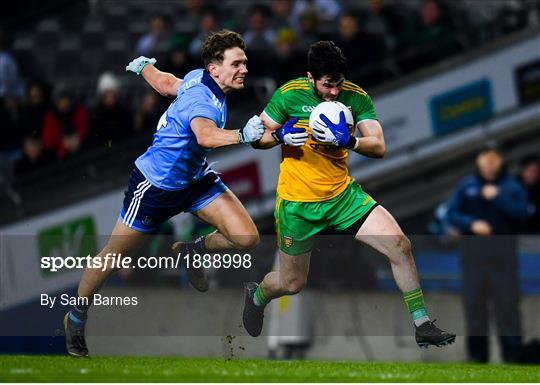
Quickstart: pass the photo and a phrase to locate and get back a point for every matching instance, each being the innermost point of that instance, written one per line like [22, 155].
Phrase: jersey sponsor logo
[307, 108]
[325, 147]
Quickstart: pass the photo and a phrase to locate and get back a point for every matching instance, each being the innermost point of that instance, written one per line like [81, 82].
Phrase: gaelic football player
[316, 193]
[172, 176]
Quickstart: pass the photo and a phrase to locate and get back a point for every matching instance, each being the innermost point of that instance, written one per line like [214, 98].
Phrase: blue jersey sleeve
[202, 105]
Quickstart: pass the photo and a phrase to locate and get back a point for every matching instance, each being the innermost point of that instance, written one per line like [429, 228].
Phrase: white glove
[323, 134]
[137, 65]
[337, 134]
[296, 139]
[252, 131]
[290, 135]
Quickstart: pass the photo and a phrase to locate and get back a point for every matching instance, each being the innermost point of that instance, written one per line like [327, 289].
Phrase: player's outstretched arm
[210, 136]
[371, 143]
[163, 82]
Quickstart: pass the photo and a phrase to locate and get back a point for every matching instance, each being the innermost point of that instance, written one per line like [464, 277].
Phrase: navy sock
[79, 314]
[199, 247]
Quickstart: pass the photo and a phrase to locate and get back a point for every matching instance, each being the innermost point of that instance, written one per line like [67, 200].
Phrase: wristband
[276, 138]
[351, 144]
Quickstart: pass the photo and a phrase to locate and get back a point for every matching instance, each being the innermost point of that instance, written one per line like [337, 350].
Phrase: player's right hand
[290, 135]
[328, 132]
[253, 130]
[137, 65]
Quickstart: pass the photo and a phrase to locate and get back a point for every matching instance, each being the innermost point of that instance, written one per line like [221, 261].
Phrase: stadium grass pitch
[169, 369]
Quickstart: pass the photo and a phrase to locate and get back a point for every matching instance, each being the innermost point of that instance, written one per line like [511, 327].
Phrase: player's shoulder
[298, 84]
[197, 93]
[350, 87]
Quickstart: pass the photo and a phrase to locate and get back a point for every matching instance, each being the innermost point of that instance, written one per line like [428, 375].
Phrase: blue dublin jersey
[175, 160]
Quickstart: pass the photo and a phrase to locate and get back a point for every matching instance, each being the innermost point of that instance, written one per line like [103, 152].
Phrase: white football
[331, 110]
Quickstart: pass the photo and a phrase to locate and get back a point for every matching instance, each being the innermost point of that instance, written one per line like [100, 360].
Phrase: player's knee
[294, 285]
[247, 242]
[403, 246]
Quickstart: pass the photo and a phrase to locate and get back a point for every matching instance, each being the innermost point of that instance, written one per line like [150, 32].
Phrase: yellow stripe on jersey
[348, 86]
[356, 90]
[295, 84]
[291, 88]
[351, 84]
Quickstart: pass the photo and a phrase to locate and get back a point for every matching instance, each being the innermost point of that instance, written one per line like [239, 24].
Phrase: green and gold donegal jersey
[316, 171]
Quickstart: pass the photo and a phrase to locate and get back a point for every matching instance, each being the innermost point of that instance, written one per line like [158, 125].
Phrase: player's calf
[246, 242]
[293, 285]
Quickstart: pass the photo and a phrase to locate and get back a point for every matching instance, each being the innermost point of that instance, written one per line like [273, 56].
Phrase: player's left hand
[137, 65]
[252, 131]
[290, 135]
[337, 134]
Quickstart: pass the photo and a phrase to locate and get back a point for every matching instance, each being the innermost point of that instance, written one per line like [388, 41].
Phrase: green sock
[414, 300]
[258, 298]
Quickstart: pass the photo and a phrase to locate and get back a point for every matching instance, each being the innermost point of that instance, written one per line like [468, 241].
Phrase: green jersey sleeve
[363, 108]
[276, 108]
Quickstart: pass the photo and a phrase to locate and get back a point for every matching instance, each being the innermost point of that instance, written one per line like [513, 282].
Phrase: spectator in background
[156, 41]
[307, 33]
[34, 156]
[110, 120]
[188, 20]
[11, 135]
[32, 116]
[281, 13]
[66, 126]
[178, 61]
[149, 112]
[323, 10]
[387, 19]
[10, 90]
[431, 37]
[259, 38]
[351, 36]
[529, 176]
[11, 87]
[290, 61]
[486, 207]
[208, 22]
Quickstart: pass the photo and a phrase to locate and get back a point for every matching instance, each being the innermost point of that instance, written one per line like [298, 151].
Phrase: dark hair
[326, 59]
[490, 146]
[260, 8]
[529, 159]
[217, 43]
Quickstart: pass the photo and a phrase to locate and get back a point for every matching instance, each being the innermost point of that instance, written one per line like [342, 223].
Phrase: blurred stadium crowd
[63, 90]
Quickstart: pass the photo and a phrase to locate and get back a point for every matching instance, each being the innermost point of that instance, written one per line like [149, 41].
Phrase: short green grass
[169, 369]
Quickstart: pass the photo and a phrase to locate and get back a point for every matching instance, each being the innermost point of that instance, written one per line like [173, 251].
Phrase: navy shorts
[147, 206]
